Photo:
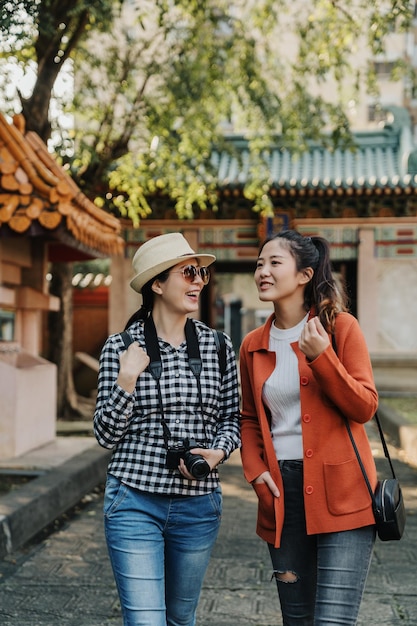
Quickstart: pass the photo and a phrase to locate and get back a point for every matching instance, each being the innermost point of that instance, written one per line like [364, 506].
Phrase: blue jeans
[159, 549]
[320, 578]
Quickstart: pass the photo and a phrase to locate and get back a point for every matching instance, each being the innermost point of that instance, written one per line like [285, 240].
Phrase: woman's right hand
[266, 478]
[133, 362]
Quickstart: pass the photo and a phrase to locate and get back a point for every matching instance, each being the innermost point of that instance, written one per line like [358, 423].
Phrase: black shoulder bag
[387, 500]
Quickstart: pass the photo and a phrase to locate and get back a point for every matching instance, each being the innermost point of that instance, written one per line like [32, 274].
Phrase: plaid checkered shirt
[130, 424]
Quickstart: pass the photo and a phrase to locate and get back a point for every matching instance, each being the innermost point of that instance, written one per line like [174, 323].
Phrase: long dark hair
[323, 292]
[147, 300]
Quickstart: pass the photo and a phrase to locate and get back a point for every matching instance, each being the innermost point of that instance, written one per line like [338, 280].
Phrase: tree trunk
[60, 340]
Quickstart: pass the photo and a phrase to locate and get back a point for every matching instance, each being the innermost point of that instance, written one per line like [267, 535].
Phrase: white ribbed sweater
[281, 393]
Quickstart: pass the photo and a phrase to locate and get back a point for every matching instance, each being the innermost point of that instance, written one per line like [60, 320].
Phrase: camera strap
[194, 360]
[155, 368]
[155, 365]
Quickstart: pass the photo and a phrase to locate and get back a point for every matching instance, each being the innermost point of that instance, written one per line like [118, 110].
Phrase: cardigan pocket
[345, 487]
[266, 515]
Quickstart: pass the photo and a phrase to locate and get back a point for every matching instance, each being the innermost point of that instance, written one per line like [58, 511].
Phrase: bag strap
[221, 350]
[127, 338]
[220, 347]
[368, 484]
[352, 439]
[193, 351]
[152, 348]
[194, 360]
[155, 365]
[155, 368]
[384, 444]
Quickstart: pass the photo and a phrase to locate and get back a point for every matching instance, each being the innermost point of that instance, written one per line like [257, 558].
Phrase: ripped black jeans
[320, 578]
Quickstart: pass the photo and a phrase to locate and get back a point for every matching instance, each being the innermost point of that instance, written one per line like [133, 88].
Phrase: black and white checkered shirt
[130, 424]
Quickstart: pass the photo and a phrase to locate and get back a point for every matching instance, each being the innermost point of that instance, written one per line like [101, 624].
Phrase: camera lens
[196, 465]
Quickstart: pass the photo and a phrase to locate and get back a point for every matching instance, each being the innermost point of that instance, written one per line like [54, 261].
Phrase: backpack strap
[194, 359]
[218, 338]
[127, 338]
[193, 350]
[152, 348]
[221, 349]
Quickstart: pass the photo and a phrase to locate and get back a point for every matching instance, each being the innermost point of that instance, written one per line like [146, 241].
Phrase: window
[384, 69]
[376, 113]
[6, 325]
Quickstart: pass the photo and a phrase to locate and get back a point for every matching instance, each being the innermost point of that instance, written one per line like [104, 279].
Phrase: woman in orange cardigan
[314, 509]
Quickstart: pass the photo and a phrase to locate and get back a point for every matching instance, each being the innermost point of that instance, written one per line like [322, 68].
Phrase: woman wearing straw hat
[170, 415]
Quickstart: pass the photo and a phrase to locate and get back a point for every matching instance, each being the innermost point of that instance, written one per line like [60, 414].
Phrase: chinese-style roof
[37, 196]
[383, 160]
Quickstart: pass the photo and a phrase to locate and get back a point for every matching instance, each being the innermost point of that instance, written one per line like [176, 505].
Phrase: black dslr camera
[195, 463]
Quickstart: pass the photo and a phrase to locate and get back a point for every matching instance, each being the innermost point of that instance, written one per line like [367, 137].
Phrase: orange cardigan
[335, 494]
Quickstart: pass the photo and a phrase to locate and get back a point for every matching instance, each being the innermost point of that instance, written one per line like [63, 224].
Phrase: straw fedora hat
[159, 254]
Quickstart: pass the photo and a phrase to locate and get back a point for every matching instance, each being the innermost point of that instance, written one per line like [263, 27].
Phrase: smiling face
[276, 275]
[180, 292]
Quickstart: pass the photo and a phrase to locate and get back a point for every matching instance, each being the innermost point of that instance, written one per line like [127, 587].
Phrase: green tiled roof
[383, 159]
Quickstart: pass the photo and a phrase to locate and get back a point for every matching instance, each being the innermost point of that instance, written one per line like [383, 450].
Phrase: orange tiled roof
[33, 187]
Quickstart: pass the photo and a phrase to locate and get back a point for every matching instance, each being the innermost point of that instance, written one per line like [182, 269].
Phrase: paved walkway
[65, 579]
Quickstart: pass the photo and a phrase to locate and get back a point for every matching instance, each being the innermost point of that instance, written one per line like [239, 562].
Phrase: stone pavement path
[65, 579]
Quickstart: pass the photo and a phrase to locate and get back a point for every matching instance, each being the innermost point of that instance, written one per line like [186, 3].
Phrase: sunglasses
[190, 273]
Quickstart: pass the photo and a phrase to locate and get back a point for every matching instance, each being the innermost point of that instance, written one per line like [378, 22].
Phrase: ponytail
[324, 291]
[147, 300]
